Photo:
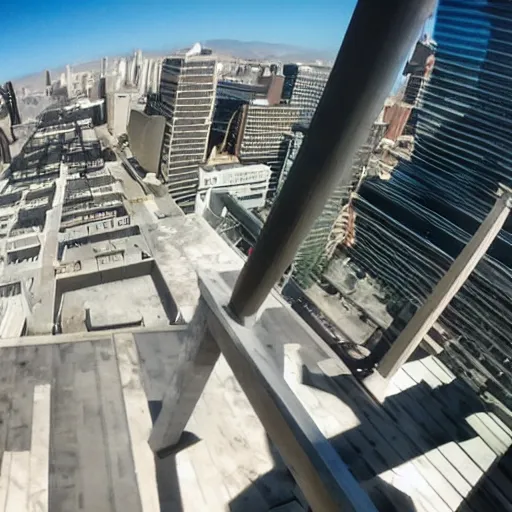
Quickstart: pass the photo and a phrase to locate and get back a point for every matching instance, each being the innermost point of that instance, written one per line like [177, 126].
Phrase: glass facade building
[410, 229]
[318, 247]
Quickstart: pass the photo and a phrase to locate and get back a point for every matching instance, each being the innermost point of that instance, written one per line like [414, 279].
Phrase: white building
[69, 80]
[142, 79]
[132, 72]
[247, 183]
[155, 71]
[137, 71]
[79, 85]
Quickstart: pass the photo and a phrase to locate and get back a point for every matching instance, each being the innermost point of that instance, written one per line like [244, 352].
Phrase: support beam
[445, 290]
[375, 47]
[322, 476]
[187, 383]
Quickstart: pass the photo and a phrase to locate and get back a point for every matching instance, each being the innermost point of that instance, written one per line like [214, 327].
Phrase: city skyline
[37, 36]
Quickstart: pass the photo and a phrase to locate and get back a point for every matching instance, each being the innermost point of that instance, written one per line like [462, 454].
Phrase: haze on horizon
[39, 35]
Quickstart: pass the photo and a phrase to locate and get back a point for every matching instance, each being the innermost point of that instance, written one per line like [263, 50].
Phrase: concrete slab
[123, 300]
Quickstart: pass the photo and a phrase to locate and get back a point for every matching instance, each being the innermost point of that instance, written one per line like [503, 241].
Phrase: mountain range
[265, 51]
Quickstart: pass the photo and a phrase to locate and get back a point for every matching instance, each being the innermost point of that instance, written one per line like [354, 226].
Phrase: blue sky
[40, 34]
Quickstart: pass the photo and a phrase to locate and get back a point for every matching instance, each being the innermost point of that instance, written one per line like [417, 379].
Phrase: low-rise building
[247, 183]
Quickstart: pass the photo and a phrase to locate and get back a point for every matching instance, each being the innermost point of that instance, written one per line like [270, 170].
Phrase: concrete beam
[187, 382]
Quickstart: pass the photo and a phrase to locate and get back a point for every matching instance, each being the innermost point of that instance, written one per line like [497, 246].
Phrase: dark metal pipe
[376, 45]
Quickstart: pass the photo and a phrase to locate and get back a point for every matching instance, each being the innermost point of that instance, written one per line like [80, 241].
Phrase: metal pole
[376, 45]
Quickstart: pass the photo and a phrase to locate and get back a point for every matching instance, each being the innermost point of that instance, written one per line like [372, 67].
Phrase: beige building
[146, 135]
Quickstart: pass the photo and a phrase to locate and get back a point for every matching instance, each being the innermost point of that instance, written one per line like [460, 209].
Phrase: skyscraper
[48, 83]
[131, 73]
[187, 94]
[232, 95]
[103, 67]
[260, 134]
[155, 71]
[321, 241]
[418, 70]
[303, 87]
[138, 62]
[295, 140]
[69, 80]
[410, 229]
[142, 81]
[122, 69]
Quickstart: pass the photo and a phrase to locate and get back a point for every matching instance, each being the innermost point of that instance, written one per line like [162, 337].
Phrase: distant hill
[250, 50]
[261, 50]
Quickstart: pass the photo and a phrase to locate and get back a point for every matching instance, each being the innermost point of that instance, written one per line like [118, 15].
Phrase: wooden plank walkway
[65, 443]
[427, 448]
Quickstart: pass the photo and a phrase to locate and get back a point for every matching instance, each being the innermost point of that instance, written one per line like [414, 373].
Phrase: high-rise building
[69, 80]
[9, 116]
[418, 69]
[142, 81]
[260, 133]
[409, 229]
[154, 74]
[79, 84]
[131, 73]
[401, 113]
[146, 135]
[186, 99]
[295, 140]
[48, 83]
[122, 71]
[256, 121]
[304, 86]
[119, 106]
[104, 67]
[232, 95]
[9, 96]
[138, 60]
